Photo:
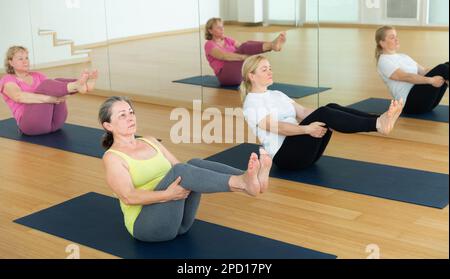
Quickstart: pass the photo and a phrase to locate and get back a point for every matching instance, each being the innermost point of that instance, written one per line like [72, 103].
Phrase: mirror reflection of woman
[226, 55]
[421, 88]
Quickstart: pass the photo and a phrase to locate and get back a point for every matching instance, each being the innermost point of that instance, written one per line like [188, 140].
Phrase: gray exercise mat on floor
[379, 106]
[96, 221]
[389, 182]
[292, 90]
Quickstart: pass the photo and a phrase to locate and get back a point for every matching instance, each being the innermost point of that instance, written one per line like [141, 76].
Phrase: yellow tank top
[145, 175]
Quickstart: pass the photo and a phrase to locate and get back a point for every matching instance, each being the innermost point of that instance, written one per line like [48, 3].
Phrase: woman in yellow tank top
[159, 196]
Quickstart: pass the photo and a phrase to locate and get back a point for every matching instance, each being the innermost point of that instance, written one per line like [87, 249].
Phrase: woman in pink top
[36, 102]
[226, 55]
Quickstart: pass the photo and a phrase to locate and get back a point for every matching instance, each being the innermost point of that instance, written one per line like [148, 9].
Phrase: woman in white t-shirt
[421, 88]
[293, 135]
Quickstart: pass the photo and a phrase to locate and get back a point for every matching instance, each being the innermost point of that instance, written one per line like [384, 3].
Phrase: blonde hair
[9, 56]
[250, 66]
[380, 35]
[209, 25]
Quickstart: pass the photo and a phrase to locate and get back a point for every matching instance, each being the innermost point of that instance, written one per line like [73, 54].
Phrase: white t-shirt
[388, 64]
[280, 107]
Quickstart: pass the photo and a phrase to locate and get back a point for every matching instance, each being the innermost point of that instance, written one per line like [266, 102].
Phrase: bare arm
[422, 70]
[13, 91]
[400, 75]
[119, 180]
[227, 56]
[287, 129]
[301, 112]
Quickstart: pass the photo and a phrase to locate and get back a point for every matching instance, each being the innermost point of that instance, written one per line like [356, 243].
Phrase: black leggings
[425, 97]
[298, 152]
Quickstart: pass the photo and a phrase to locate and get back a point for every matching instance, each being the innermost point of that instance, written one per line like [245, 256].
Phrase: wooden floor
[331, 221]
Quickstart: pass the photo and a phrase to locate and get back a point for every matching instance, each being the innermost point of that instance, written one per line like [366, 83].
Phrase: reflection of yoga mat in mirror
[379, 106]
[293, 91]
[72, 138]
[389, 182]
[96, 221]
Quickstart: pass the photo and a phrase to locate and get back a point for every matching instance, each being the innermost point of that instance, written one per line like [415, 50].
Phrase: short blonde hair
[209, 25]
[250, 66]
[9, 56]
[380, 35]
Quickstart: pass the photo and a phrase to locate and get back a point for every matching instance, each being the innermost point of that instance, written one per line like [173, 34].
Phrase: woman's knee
[442, 69]
[180, 169]
[194, 161]
[333, 105]
[324, 110]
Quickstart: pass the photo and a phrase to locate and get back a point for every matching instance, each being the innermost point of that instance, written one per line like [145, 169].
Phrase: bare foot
[386, 121]
[81, 83]
[278, 43]
[266, 164]
[401, 104]
[93, 76]
[250, 178]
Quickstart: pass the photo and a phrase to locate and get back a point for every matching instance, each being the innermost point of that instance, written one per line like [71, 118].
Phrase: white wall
[332, 10]
[137, 17]
[439, 12]
[83, 25]
[93, 21]
[89, 24]
[209, 9]
[282, 10]
[250, 11]
[229, 10]
[14, 26]
[245, 11]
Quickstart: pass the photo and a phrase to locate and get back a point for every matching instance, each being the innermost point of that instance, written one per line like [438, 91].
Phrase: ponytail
[245, 89]
[107, 140]
[378, 52]
[380, 35]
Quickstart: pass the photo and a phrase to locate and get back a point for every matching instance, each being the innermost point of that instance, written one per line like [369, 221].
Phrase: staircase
[76, 55]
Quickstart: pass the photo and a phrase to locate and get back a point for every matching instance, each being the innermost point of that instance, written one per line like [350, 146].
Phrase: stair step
[82, 52]
[43, 32]
[61, 42]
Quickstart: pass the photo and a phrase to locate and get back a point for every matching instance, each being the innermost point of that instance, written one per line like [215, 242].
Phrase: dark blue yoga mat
[96, 221]
[293, 91]
[379, 106]
[72, 138]
[389, 182]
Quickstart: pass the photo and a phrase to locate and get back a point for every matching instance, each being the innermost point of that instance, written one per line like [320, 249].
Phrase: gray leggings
[165, 221]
